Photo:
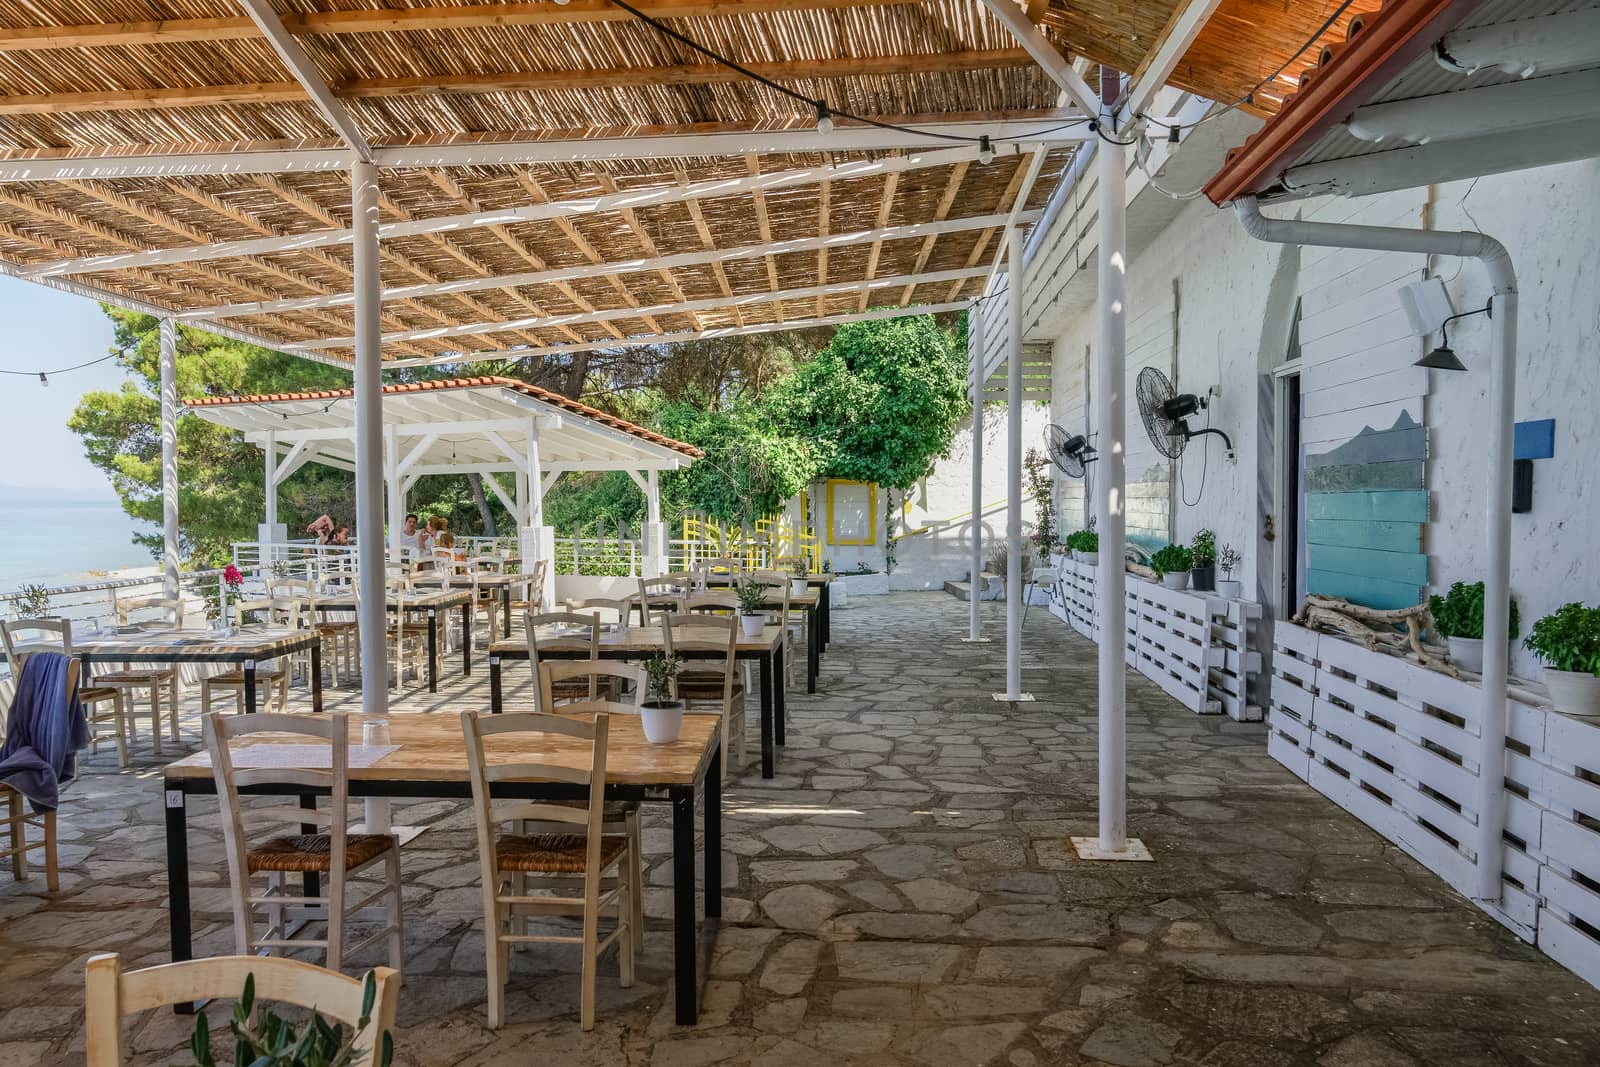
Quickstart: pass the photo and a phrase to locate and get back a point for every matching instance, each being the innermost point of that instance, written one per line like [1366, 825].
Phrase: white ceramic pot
[752, 625]
[661, 722]
[1091, 558]
[797, 587]
[1229, 589]
[1574, 692]
[1466, 653]
[1176, 580]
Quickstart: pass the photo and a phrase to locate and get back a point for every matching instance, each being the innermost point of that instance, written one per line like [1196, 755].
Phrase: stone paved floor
[903, 894]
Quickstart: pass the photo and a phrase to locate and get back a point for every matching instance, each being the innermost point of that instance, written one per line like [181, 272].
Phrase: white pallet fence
[1194, 646]
[1396, 745]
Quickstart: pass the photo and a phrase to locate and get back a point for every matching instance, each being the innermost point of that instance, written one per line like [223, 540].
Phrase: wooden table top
[462, 581]
[248, 642]
[642, 641]
[432, 749]
[444, 598]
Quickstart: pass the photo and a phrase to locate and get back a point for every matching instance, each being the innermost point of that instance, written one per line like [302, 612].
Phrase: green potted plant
[33, 601]
[752, 618]
[263, 1039]
[662, 713]
[1085, 545]
[1203, 562]
[1458, 618]
[1568, 642]
[798, 572]
[1227, 559]
[1171, 565]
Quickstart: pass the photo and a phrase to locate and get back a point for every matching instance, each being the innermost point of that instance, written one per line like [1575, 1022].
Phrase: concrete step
[991, 587]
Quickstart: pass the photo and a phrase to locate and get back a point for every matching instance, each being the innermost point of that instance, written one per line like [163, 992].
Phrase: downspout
[1502, 392]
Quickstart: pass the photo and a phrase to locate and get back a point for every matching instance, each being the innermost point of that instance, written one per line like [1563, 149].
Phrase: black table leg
[249, 697]
[178, 880]
[310, 882]
[779, 690]
[466, 637]
[433, 651]
[684, 941]
[496, 698]
[505, 607]
[713, 839]
[316, 675]
[824, 616]
[768, 754]
[813, 651]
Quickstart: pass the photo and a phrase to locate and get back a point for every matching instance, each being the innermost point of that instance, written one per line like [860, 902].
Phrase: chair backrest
[165, 603]
[649, 609]
[278, 610]
[586, 640]
[704, 633]
[600, 605]
[219, 730]
[778, 583]
[492, 564]
[592, 671]
[551, 737]
[719, 570]
[786, 563]
[721, 602]
[110, 993]
[17, 647]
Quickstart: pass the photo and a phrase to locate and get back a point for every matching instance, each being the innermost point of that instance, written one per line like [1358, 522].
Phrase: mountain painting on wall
[1366, 503]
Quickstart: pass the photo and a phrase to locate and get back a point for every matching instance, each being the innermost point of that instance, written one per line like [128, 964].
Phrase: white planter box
[864, 584]
[1396, 745]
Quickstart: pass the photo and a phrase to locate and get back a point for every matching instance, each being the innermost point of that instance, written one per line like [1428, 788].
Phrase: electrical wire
[43, 375]
[1205, 460]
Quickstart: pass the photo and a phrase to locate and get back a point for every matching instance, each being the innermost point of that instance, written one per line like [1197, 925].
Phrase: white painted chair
[544, 634]
[341, 641]
[270, 677]
[336, 855]
[110, 994]
[584, 854]
[130, 680]
[406, 633]
[95, 698]
[710, 686]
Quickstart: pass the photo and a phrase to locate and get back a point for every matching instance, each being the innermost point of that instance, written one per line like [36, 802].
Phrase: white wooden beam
[493, 483]
[520, 463]
[297, 457]
[1158, 64]
[551, 477]
[305, 72]
[415, 453]
[1045, 54]
[625, 266]
[402, 429]
[706, 304]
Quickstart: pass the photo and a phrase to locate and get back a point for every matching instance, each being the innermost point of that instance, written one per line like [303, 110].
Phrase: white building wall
[1235, 300]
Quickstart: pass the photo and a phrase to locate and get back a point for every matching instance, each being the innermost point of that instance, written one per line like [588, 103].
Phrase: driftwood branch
[1377, 629]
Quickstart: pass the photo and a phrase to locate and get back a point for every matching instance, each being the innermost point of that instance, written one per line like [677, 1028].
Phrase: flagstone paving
[903, 893]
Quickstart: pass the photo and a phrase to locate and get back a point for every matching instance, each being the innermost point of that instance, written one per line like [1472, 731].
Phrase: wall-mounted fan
[1166, 413]
[1070, 452]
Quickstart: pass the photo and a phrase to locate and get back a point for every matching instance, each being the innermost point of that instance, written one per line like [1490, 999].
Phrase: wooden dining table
[642, 642]
[248, 646]
[430, 603]
[499, 584]
[431, 762]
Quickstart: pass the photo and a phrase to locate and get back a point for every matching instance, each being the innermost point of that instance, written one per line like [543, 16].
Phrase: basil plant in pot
[1085, 545]
[1568, 642]
[1171, 565]
[1203, 562]
[1458, 617]
[662, 714]
[752, 618]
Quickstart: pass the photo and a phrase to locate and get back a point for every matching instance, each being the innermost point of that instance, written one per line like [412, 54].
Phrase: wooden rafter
[764, 228]
[1005, 203]
[646, 242]
[891, 182]
[952, 186]
[706, 240]
[823, 193]
[581, 243]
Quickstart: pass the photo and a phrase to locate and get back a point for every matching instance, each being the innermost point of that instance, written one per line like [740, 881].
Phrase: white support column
[655, 531]
[976, 357]
[1014, 289]
[1110, 400]
[396, 492]
[169, 459]
[537, 541]
[373, 620]
[272, 478]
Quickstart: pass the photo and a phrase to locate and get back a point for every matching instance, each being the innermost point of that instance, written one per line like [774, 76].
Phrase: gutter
[1491, 802]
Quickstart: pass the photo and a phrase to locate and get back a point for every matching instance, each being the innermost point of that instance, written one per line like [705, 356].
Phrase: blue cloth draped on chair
[45, 729]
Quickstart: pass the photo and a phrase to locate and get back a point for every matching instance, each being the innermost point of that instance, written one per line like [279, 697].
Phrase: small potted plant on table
[1227, 559]
[1568, 642]
[1203, 562]
[798, 572]
[1458, 617]
[752, 618]
[1171, 565]
[662, 714]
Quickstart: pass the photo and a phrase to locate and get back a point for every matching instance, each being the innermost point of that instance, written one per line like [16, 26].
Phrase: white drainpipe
[1502, 394]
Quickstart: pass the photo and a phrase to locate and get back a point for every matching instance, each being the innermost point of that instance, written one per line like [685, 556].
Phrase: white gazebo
[483, 425]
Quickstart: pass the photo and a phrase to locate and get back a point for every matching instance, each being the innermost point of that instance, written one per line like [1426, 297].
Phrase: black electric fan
[1167, 412]
[1070, 452]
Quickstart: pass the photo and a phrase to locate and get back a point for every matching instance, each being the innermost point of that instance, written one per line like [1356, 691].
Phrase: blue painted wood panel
[1353, 477]
[1370, 506]
[1410, 567]
[1535, 440]
[1380, 536]
[1373, 592]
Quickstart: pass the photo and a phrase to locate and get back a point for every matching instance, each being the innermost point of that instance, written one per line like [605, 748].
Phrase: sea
[63, 541]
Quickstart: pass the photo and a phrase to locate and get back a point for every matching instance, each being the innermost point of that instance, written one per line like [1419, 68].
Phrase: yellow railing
[769, 539]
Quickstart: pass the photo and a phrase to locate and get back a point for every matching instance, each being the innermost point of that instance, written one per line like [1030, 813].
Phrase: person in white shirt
[412, 539]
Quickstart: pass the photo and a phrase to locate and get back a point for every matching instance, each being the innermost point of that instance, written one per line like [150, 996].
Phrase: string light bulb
[985, 150]
[43, 380]
[824, 119]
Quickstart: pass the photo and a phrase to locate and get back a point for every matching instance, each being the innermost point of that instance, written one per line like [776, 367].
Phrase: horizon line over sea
[66, 539]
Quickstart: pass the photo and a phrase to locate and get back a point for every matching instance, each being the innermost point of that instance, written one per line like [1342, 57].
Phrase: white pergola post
[373, 622]
[1014, 290]
[268, 534]
[655, 531]
[975, 347]
[537, 541]
[169, 459]
[396, 492]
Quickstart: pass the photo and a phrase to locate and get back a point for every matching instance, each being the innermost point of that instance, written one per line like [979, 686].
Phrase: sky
[47, 329]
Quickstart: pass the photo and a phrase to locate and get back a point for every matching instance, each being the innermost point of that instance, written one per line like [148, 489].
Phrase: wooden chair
[618, 611]
[131, 679]
[587, 641]
[714, 602]
[110, 993]
[335, 855]
[341, 638]
[485, 599]
[94, 697]
[708, 686]
[534, 601]
[584, 852]
[405, 633]
[719, 571]
[269, 677]
[777, 583]
[19, 820]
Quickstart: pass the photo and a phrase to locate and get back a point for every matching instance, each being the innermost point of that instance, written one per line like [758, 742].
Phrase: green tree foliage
[750, 467]
[220, 477]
